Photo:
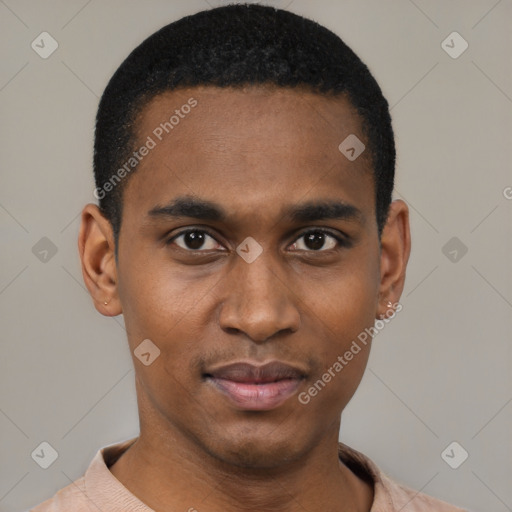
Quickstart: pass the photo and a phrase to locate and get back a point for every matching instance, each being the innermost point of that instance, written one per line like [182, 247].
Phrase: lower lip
[257, 397]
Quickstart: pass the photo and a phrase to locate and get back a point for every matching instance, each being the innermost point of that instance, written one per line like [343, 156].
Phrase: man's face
[260, 157]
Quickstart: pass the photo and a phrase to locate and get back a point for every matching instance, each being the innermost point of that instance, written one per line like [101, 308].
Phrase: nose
[257, 301]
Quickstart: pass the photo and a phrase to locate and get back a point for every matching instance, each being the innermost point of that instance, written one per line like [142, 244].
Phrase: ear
[394, 255]
[97, 253]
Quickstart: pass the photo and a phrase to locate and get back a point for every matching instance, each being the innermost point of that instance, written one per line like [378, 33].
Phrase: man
[244, 163]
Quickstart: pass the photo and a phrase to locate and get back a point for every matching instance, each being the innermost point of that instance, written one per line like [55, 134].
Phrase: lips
[249, 373]
[256, 387]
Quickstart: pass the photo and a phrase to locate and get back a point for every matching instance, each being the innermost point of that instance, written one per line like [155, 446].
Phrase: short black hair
[235, 46]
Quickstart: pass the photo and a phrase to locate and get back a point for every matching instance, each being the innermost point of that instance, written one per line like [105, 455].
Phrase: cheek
[345, 301]
[158, 298]
[169, 311]
[163, 303]
[343, 310]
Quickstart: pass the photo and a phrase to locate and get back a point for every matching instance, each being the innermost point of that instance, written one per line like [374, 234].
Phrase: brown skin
[253, 152]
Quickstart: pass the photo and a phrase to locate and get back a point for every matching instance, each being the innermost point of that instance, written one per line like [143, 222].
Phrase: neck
[166, 470]
[170, 467]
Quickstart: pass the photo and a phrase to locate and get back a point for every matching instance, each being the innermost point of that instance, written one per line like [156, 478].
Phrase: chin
[256, 452]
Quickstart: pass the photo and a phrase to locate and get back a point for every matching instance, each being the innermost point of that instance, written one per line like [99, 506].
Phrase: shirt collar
[108, 493]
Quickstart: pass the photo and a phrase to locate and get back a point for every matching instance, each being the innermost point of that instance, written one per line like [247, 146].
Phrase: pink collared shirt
[99, 490]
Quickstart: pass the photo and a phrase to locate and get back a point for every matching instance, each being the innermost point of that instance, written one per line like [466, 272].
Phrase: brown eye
[316, 241]
[194, 240]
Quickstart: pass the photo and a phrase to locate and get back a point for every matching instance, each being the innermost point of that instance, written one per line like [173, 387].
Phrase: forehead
[258, 112]
[248, 144]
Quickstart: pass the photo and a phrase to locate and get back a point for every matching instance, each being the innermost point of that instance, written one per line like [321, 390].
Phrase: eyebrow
[324, 210]
[185, 206]
[189, 207]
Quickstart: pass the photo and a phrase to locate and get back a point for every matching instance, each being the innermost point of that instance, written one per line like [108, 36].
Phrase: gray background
[440, 372]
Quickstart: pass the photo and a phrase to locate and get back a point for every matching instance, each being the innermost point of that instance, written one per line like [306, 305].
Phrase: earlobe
[395, 251]
[96, 247]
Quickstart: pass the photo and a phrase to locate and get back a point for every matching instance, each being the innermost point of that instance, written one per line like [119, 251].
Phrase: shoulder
[94, 491]
[403, 497]
[72, 497]
[390, 496]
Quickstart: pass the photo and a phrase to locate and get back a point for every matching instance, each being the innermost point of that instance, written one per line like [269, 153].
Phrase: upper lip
[253, 373]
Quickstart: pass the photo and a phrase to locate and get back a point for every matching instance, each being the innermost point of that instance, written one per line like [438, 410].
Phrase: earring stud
[389, 306]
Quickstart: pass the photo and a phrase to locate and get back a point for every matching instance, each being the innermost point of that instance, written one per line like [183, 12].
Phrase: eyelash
[342, 242]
